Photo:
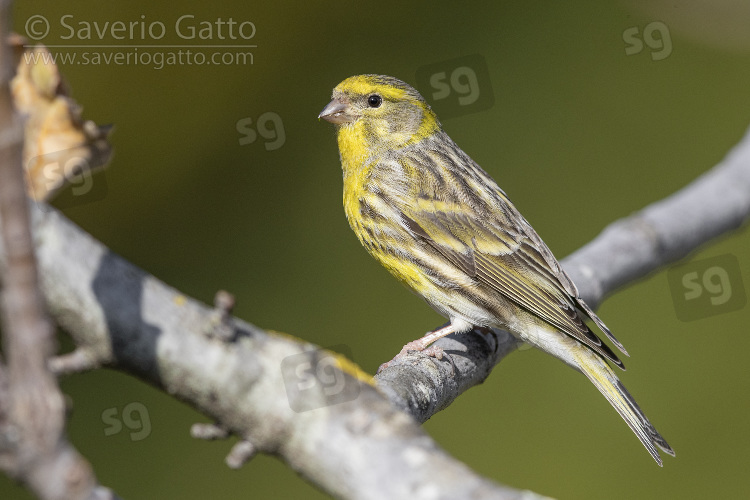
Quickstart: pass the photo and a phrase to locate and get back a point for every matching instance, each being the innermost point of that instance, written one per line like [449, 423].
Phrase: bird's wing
[495, 248]
[558, 271]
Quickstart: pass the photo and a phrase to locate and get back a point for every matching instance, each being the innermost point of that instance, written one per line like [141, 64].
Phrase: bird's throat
[354, 146]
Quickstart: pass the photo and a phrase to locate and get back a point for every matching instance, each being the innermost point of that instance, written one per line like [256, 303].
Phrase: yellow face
[378, 112]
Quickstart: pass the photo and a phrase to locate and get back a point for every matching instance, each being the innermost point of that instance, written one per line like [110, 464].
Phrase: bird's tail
[602, 376]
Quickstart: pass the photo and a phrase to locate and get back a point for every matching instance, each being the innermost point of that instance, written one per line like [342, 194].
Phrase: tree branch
[666, 231]
[129, 320]
[33, 448]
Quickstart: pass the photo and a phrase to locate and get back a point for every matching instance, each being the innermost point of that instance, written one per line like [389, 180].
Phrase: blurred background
[223, 178]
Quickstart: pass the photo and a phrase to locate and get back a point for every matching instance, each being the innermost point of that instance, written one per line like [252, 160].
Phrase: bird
[443, 227]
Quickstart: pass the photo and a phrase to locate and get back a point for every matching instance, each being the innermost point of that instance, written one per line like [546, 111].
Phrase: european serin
[428, 213]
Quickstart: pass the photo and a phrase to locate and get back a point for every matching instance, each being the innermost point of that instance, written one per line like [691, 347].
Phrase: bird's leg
[422, 345]
[430, 337]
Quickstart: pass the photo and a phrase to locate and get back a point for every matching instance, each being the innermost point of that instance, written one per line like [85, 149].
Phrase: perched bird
[428, 213]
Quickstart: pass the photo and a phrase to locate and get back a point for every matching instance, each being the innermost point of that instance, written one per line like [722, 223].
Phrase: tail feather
[602, 376]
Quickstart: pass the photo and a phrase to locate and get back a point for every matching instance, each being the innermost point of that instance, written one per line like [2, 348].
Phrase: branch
[666, 231]
[345, 442]
[33, 448]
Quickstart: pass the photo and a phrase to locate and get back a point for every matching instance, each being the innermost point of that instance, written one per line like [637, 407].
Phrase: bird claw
[414, 346]
[434, 352]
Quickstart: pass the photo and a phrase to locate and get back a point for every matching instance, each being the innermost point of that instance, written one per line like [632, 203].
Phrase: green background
[580, 134]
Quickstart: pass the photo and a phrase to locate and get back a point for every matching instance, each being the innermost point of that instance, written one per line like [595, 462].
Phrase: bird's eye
[374, 101]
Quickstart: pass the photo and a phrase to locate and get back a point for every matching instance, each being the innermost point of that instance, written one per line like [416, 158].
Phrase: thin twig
[33, 448]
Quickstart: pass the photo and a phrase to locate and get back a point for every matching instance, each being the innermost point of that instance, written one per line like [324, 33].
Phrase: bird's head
[379, 112]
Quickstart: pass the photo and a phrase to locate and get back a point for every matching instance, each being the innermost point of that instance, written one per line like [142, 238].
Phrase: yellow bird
[428, 213]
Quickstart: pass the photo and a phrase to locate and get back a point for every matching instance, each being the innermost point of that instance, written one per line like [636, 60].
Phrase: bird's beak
[338, 112]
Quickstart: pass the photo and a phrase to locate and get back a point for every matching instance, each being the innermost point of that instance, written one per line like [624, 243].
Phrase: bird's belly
[450, 294]
[445, 287]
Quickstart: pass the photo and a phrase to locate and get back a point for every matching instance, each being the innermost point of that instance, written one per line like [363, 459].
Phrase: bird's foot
[418, 346]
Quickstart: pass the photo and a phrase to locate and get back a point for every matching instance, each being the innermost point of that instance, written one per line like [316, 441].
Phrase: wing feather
[515, 264]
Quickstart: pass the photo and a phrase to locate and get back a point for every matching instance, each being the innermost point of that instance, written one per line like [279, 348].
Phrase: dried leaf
[60, 146]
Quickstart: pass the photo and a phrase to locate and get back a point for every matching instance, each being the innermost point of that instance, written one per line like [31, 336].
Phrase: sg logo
[707, 287]
[315, 379]
[270, 127]
[656, 36]
[134, 415]
[52, 171]
[457, 86]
